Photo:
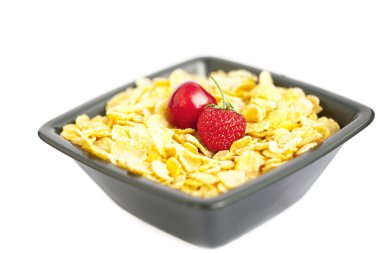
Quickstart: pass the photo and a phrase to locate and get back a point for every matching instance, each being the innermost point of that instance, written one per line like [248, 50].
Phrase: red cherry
[186, 103]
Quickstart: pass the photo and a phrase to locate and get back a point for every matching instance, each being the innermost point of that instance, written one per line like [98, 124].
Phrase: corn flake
[232, 178]
[160, 170]
[205, 178]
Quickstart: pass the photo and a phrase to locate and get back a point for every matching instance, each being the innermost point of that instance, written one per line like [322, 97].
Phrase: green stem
[220, 90]
[226, 105]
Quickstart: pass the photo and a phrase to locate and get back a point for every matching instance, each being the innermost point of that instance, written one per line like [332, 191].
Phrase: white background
[56, 55]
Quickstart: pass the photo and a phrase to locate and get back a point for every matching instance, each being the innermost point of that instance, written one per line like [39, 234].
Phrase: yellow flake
[178, 182]
[70, 131]
[223, 155]
[222, 188]
[161, 171]
[193, 183]
[119, 132]
[253, 113]
[232, 178]
[161, 82]
[157, 121]
[190, 138]
[190, 147]
[104, 144]
[99, 132]
[306, 148]
[205, 178]
[240, 144]
[160, 138]
[82, 121]
[178, 77]
[271, 166]
[190, 161]
[184, 131]
[212, 169]
[174, 166]
[225, 165]
[265, 78]
[129, 157]
[161, 107]
[143, 82]
[249, 161]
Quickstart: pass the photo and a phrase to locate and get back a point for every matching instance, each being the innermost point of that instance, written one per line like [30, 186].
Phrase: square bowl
[214, 221]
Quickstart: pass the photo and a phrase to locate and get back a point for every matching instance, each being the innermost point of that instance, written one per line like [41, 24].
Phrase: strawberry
[220, 126]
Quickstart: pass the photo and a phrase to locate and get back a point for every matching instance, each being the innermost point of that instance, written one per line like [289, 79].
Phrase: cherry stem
[221, 92]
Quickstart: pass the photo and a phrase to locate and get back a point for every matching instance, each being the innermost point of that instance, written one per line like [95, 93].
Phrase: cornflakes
[134, 134]
[232, 178]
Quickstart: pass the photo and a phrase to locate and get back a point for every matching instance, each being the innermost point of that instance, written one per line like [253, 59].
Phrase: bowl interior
[351, 116]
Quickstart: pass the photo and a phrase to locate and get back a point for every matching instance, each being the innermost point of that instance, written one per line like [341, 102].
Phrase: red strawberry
[220, 126]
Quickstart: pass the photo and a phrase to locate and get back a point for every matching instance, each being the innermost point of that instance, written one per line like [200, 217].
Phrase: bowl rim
[48, 133]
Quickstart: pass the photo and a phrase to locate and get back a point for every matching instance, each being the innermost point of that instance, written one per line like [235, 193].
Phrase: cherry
[186, 103]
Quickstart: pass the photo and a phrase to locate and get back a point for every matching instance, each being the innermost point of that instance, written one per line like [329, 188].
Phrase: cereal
[240, 144]
[249, 162]
[223, 155]
[104, 144]
[190, 138]
[205, 178]
[253, 113]
[118, 132]
[191, 147]
[221, 187]
[190, 161]
[134, 134]
[306, 148]
[178, 182]
[174, 166]
[232, 178]
[161, 171]
[70, 131]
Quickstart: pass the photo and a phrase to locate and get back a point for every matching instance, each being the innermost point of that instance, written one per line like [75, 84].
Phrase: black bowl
[215, 221]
